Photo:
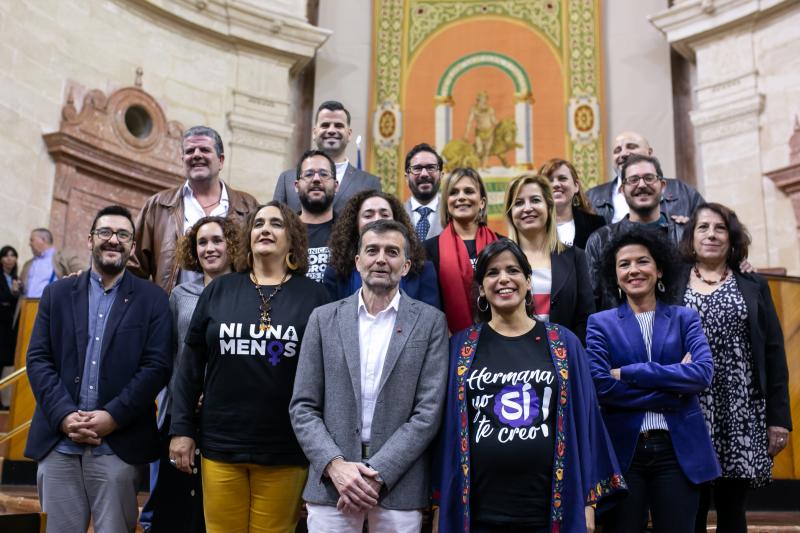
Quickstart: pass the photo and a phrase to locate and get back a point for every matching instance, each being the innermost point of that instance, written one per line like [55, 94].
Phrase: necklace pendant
[262, 327]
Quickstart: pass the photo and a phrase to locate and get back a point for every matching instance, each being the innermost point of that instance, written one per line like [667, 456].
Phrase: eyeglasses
[105, 234]
[310, 173]
[417, 169]
[647, 178]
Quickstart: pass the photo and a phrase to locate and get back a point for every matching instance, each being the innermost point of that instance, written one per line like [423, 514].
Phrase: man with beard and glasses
[642, 184]
[99, 353]
[678, 201]
[316, 186]
[331, 134]
[169, 214]
[423, 173]
[367, 401]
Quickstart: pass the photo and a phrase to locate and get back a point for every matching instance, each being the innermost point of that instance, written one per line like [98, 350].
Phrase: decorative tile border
[571, 26]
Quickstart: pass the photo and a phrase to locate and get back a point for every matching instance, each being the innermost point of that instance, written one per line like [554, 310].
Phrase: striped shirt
[651, 420]
[541, 284]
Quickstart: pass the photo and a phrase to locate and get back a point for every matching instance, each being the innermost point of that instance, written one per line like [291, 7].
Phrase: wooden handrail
[19, 429]
[12, 378]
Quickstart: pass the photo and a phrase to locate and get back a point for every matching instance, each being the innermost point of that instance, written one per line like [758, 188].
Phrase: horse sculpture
[461, 153]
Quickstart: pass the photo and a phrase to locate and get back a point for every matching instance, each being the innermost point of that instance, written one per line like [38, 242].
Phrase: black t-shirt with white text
[511, 394]
[318, 251]
[249, 372]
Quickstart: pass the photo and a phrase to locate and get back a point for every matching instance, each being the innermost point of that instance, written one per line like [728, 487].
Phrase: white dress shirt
[192, 212]
[566, 232]
[433, 205]
[341, 168]
[621, 207]
[374, 334]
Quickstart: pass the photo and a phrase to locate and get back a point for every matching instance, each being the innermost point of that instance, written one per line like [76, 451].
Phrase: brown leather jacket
[160, 224]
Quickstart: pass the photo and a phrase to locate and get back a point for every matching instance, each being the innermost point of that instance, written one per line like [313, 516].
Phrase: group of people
[376, 360]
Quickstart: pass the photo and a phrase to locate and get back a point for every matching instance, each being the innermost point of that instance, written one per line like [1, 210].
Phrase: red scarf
[455, 275]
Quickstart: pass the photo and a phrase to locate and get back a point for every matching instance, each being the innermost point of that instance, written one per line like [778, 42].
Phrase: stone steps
[24, 499]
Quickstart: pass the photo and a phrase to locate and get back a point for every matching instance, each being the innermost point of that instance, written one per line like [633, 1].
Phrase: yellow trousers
[248, 498]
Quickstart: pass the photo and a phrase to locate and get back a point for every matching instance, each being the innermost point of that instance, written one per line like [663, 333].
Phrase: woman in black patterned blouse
[747, 405]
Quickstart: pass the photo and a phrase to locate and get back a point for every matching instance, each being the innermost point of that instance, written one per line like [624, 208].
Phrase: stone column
[728, 41]
[443, 121]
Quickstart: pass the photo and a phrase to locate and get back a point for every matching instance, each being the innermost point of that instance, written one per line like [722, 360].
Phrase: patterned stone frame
[572, 27]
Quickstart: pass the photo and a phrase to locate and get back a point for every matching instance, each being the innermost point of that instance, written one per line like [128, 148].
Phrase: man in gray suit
[331, 134]
[423, 173]
[368, 396]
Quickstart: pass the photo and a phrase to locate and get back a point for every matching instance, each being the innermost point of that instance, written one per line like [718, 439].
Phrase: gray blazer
[354, 181]
[433, 218]
[326, 405]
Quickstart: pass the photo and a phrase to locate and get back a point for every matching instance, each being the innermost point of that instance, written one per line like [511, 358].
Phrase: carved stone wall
[227, 64]
[117, 149]
[747, 56]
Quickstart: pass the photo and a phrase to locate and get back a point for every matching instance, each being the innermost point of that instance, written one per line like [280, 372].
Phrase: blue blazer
[136, 364]
[663, 385]
[423, 287]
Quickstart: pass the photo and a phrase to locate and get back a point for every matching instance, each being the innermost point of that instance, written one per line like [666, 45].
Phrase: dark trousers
[491, 527]
[176, 499]
[655, 482]
[730, 499]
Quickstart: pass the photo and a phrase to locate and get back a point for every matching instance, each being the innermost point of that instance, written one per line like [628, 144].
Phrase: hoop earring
[660, 286]
[478, 303]
[619, 291]
[250, 259]
[528, 299]
[291, 264]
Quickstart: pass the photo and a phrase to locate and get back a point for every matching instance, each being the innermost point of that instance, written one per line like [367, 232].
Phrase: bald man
[679, 200]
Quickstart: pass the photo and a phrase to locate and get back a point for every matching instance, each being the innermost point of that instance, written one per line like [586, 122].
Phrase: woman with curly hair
[208, 249]
[341, 277]
[574, 213]
[241, 355]
[650, 362]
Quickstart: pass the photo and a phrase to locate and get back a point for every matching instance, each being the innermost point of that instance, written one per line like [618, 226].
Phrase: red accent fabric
[541, 304]
[455, 274]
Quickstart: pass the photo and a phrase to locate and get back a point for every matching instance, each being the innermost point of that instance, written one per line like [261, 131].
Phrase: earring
[619, 291]
[290, 263]
[250, 259]
[660, 286]
[575, 201]
[478, 303]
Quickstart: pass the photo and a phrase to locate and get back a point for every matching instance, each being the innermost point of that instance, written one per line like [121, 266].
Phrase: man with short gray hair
[368, 396]
[170, 213]
[47, 264]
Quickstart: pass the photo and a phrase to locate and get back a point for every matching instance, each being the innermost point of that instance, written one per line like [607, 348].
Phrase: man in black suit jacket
[331, 134]
[99, 354]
